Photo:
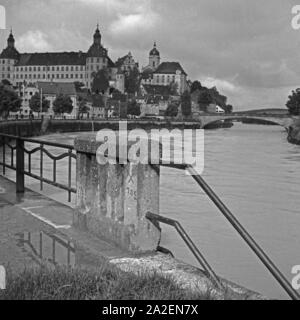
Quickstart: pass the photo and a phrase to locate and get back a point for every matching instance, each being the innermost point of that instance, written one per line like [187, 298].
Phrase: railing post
[20, 179]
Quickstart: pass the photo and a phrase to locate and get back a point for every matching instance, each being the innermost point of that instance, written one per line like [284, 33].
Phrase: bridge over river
[281, 120]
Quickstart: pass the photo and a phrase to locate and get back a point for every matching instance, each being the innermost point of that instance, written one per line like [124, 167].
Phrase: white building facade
[29, 68]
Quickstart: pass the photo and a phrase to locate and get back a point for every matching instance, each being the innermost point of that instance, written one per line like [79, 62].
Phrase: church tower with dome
[154, 57]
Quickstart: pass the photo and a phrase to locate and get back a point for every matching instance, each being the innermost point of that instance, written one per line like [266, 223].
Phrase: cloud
[247, 49]
[34, 40]
[133, 23]
[136, 17]
[220, 84]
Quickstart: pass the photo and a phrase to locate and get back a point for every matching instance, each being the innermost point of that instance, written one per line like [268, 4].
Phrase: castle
[67, 67]
[21, 68]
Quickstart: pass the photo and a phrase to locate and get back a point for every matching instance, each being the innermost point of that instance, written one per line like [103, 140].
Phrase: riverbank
[294, 132]
[30, 226]
[107, 283]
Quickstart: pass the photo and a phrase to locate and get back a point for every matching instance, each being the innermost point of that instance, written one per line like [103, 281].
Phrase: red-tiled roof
[52, 59]
[10, 53]
[56, 88]
[169, 68]
[157, 90]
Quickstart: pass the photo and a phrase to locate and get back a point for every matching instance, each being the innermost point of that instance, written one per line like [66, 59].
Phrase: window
[67, 76]
[62, 69]
[44, 76]
[30, 68]
[39, 68]
[57, 68]
[81, 76]
[53, 69]
[57, 76]
[34, 68]
[25, 68]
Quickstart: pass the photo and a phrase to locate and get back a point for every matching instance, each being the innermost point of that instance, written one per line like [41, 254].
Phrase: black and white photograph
[149, 152]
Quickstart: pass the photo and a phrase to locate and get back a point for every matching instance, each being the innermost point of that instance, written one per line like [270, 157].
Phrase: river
[254, 170]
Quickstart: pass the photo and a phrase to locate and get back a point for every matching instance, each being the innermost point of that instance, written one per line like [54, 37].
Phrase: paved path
[18, 215]
[34, 213]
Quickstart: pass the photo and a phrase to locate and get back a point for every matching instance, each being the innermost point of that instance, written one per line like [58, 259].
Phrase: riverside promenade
[116, 218]
[33, 213]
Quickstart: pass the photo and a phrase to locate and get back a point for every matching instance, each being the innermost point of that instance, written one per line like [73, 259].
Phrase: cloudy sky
[248, 49]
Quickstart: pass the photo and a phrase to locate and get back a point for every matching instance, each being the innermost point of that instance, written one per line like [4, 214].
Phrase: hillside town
[90, 85]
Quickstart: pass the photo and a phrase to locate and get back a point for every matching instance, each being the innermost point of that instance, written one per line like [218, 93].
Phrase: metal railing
[17, 145]
[38, 249]
[188, 241]
[16, 148]
[268, 263]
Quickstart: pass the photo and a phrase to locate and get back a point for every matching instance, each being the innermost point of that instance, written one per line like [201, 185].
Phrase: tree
[172, 110]
[173, 88]
[83, 107]
[9, 101]
[186, 104]
[5, 82]
[205, 98]
[62, 104]
[293, 103]
[100, 82]
[78, 86]
[196, 85]
[35, 103]
[228, 108]
[133, 108]
[132, 81]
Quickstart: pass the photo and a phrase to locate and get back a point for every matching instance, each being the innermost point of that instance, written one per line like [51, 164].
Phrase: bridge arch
[208, 120]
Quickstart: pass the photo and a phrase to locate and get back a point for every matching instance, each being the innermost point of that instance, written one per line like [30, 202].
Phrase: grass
[108, 283]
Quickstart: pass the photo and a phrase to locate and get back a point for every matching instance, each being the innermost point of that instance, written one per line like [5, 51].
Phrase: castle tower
[8, 58]
[97, 58]
[154, 57]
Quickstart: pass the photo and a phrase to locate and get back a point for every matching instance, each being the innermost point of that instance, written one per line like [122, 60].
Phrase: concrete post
[113, 199]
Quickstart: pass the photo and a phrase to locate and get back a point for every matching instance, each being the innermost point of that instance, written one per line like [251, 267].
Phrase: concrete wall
[113, 199]
[27, 128]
